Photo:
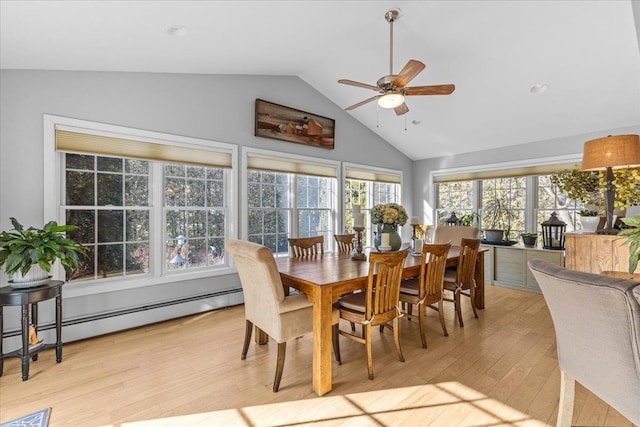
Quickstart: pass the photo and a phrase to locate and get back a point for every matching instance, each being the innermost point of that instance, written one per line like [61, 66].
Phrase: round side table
[26, 297]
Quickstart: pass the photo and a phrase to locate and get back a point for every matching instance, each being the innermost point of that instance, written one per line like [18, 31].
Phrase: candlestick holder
[413, 238]
[356, 253]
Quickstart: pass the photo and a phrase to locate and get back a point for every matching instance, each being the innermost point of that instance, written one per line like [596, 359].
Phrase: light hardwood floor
[500, 369]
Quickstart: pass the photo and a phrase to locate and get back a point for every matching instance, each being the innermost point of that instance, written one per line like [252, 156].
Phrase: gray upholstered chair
[265, 304]
[455, 234]
[597, 323]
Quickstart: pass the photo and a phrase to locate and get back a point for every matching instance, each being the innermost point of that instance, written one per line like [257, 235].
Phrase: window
[457, 196]
[147, 205]
[368, 187]
[504, 205]
[108, 200]
[289, 196]
[551, 200]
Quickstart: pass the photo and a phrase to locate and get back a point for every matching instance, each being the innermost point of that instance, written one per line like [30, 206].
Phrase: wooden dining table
[325, 278]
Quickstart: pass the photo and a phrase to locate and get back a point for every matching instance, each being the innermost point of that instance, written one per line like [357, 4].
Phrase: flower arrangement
[389, 213]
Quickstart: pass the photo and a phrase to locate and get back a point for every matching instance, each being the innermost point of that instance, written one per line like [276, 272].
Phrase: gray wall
[219, 108]
[565, 146]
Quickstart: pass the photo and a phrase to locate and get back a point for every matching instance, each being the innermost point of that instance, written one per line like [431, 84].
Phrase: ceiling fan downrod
[391, 16]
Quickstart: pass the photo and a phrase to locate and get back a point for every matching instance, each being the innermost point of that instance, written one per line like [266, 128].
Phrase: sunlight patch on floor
[433, 404]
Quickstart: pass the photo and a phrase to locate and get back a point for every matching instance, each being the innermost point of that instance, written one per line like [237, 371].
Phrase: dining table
[324, 278]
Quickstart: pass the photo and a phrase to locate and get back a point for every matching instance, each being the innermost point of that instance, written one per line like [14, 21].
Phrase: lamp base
[608, 231]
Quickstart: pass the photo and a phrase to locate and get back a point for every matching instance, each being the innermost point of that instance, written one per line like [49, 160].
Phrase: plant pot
[494, 235]
[529, 241]
[34, 277]
[589, 223]
[395, 241]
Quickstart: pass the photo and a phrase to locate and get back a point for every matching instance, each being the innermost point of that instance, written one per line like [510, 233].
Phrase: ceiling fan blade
[412, 69]
[401, 109]
[354, 83]
[430, 90]
[362, 103]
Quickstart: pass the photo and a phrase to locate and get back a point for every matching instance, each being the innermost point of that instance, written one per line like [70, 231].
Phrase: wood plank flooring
[500, 369]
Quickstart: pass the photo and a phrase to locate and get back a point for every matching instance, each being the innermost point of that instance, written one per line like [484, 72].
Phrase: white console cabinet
[507, 265]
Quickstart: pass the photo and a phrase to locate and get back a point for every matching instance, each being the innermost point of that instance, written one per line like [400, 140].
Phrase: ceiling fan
[393, 87]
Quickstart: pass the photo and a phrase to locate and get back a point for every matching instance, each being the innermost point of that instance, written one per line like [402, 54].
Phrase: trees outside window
[367, 194]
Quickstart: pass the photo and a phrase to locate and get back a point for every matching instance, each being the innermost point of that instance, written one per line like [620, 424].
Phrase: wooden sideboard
[595, 253]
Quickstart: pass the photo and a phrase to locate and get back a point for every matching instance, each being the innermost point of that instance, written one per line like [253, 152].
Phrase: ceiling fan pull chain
[405, 122]
[377, 116]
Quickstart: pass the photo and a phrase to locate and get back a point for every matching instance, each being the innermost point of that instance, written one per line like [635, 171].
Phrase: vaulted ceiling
[585, 52]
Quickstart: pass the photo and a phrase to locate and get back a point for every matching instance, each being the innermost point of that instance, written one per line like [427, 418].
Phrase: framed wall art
[287, 124]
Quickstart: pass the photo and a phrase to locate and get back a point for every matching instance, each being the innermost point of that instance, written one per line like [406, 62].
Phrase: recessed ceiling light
[415, 122]
[538, 88]
[177, 31]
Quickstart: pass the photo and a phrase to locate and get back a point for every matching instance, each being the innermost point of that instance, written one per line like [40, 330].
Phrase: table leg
[25, 342]
[59, 329]
[322, 340]
[34, 322]
[479, 276]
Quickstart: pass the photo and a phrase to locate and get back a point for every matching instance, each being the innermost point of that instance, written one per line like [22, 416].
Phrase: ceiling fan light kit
[393, 88]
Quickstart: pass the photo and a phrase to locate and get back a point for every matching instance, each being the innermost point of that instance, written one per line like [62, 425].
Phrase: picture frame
[275, 121]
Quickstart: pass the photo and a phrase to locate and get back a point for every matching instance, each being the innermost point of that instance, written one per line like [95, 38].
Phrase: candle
[384, 240]
[419, 244]
[355, 209]
[358, 219]
[414, 220]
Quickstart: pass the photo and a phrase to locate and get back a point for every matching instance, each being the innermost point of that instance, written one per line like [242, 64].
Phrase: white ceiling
[493, 51]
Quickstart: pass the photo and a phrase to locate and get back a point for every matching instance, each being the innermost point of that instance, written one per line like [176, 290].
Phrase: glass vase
[395, 241]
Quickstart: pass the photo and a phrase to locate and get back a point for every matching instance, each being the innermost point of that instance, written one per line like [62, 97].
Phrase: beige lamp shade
[616, 152]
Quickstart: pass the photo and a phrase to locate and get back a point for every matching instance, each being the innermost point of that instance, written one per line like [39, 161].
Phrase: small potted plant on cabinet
[498, 218]
[589, 220]
[529, 239]
[27, 254]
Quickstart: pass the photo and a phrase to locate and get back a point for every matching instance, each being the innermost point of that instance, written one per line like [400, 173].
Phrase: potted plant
[589, 220]
[633, 240]
[497, 217]
[468, 219]
[27, 254]
[529, 239]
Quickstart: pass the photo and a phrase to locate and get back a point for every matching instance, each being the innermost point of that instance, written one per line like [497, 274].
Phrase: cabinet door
[509, 264]
[555, 257]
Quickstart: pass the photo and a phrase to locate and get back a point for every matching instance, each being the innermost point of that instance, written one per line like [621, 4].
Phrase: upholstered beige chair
[455, 234]
[265, 305]
[426, 289]
[379, 304]
[306, 246]
[462, 281]
[344, 242]
[597, 324]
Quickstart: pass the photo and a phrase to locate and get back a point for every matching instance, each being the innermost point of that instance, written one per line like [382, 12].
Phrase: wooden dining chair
[344, 242]
[427, 289]
[379, 304]
[306, 246]
[462, 280]
[265, 304]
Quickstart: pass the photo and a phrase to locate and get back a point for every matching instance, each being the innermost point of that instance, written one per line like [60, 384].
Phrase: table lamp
[606, 154]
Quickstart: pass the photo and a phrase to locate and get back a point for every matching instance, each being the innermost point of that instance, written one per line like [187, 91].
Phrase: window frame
[53, 169]
[293, 209]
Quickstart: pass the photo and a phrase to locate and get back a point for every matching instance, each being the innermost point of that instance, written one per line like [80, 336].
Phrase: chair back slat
[344, 242]
[467, 262]
[306, 246]
[383, 285]
[434, 262]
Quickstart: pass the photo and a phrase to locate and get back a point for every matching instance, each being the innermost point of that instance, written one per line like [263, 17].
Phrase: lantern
[553, 232]
[452, 220]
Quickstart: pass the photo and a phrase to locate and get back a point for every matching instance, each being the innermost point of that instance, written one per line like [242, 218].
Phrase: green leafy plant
[21, 248]
[588, 212]
[590, 186]
[468, 219]
[633, 240]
